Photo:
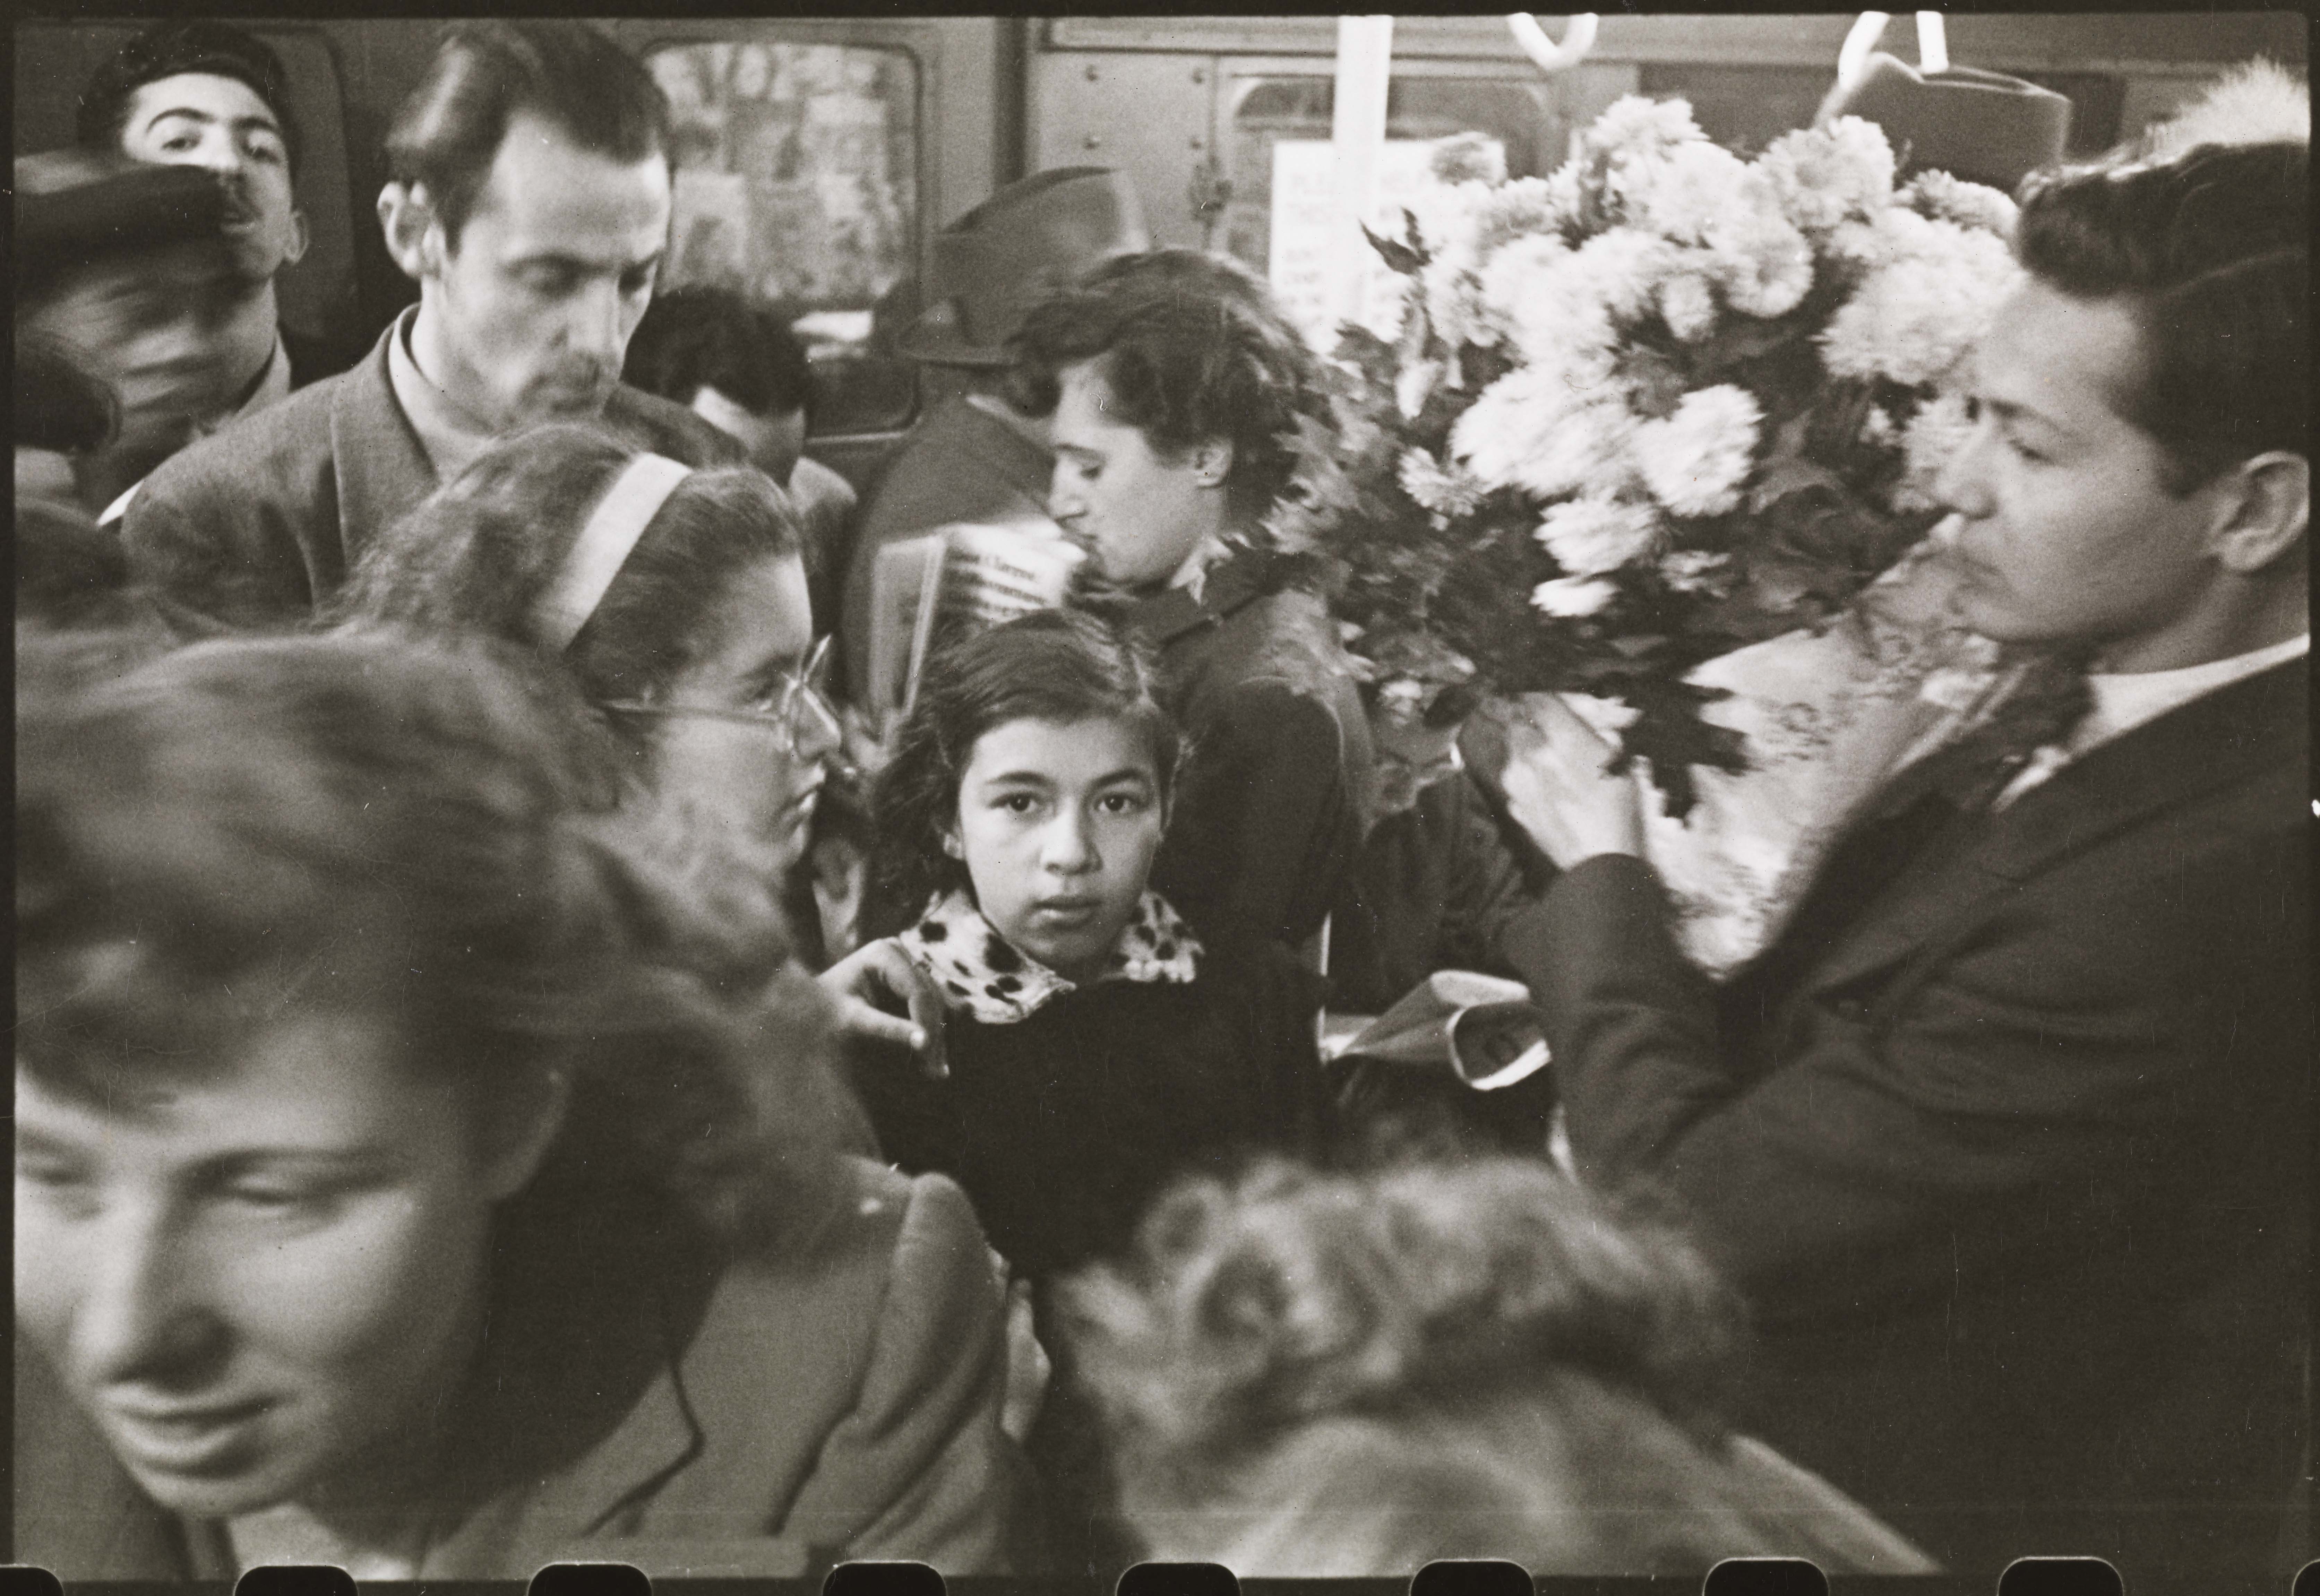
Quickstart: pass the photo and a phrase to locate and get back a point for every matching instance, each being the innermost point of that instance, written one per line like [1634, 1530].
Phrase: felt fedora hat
[74, 205]
[1984, 127]
[1022, 244]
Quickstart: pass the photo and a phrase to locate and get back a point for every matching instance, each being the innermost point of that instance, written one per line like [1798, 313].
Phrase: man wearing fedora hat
[122, 267]
[1984, 127]
[980, 452]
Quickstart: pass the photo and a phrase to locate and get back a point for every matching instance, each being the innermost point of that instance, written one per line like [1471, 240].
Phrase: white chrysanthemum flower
[1687, 306]
[1590, 536]
[1521, 276]
[1933, 437]
[1516, 210]
[1531, 429]
[1826, 176]
[1947, 198]
[1443, 490]
[1468, 158]
[1689, 194]
[1693, 570]
[1695, 460]
[1566, 597]
[1765, 268]
[1913, 320]
[1623, 267]
[1894, 233]
[1636, 126]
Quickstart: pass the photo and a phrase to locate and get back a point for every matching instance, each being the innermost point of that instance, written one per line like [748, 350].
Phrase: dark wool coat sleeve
[1264, 826]
[2013, 1173]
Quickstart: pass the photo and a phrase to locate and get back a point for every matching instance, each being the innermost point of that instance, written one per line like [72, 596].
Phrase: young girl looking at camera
[1080, 1044]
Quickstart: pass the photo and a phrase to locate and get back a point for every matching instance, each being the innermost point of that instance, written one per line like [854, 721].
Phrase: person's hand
[870, 983]
[1558, 792]
[1029, 1368]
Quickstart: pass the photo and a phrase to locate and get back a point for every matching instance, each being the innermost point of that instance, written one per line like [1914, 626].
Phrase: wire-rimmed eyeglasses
[797, 709]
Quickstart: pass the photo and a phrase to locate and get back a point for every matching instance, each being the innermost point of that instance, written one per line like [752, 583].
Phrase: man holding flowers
[2006, 1138]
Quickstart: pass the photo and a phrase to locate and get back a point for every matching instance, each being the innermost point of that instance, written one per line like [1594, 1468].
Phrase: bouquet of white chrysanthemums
[1660, 405]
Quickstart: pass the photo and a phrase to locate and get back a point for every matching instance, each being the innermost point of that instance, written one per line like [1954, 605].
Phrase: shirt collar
[2121, 703]
[982, 973]
[449, 434]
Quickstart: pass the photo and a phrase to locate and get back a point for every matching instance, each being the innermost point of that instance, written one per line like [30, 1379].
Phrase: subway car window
[797, 184]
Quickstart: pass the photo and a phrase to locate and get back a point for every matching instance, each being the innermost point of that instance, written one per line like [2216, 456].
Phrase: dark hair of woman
[477, 554]
[1055, 665]
[1189, 354]
[420, 828]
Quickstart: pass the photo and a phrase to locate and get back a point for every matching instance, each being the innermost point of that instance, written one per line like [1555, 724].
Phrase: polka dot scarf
[982, 973]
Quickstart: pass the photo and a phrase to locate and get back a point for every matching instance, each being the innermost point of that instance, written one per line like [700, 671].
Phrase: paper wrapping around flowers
[1828, 716]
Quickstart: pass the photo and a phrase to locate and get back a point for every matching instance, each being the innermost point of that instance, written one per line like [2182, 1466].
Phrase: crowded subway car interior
[1058, 796]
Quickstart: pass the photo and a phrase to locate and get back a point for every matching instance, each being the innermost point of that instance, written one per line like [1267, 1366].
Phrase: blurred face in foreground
[1059, 823]
[261, 1274]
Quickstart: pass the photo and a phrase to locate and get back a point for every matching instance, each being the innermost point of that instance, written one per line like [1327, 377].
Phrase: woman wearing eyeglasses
[676, 599]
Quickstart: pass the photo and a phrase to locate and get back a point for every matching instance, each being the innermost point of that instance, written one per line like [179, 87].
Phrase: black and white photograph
[1047, 793]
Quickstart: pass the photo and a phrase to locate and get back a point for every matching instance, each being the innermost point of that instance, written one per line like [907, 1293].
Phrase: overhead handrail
[1549, 55]
[1933, 44]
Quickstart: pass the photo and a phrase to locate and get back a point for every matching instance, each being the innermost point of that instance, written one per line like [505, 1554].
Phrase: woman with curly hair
[1091, 1046]
[674, 598]
[398, 1189]
[1334, 1376]
[1180, 395]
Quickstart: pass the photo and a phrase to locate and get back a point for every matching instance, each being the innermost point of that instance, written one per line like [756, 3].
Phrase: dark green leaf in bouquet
[1741, 341]
[1481, 365]
[1406, 258]
[1368, 354]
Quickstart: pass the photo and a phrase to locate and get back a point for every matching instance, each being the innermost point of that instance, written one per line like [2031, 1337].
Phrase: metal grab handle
[1549, 55]
[1933, 45]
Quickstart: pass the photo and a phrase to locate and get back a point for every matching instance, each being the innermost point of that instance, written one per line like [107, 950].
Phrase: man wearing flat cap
[980, 454]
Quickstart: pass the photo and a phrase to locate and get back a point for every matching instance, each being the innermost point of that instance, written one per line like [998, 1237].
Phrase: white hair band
[604, 546]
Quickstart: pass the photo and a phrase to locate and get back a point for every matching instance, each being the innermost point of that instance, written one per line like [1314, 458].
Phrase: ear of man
[407, 219]
[301, 236]
[2264, 511]
[1212, 461]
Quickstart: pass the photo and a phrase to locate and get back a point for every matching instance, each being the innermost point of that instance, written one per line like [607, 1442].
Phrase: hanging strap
[604, 546]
